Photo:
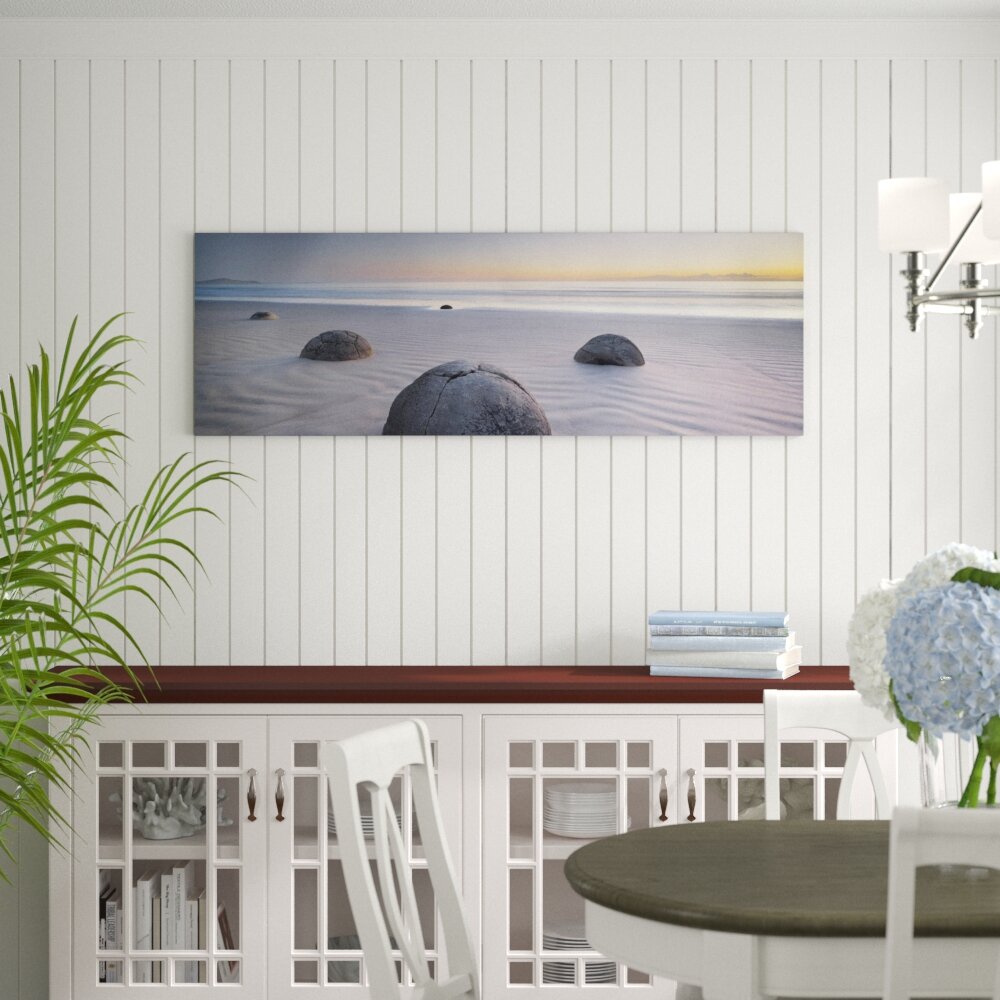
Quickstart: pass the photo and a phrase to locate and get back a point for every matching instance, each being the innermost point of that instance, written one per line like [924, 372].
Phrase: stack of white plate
[367, 825]
[572, 939]
[581, 809]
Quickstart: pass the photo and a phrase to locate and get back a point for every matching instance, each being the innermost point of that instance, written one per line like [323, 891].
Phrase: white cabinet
[551, 783]
[191, 845]
[312, 940]
[266, 895]
[521, 786]
[721, 770]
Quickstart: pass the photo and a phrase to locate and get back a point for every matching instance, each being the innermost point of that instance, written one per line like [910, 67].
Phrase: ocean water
[719, 299]
[721, 357]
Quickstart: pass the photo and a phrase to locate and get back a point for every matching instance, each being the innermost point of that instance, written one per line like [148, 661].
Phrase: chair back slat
[393, 869]
[840, 712]
[930, 837]
[371, 761]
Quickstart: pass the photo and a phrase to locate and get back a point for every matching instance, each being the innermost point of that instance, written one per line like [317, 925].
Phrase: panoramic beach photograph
[498, 333]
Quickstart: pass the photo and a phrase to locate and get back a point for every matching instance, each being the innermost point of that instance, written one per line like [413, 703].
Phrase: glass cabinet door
[314, 945]
[169, 866]
[551, 785]
[722, 769]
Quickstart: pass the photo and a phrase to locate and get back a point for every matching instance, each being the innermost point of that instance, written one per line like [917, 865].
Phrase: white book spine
[180, 912]
[167, 910]
[191, 941]
[142, 931]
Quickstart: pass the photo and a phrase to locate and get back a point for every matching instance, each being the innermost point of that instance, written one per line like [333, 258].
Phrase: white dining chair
[388, 917]
[838, 711]
[930, 837]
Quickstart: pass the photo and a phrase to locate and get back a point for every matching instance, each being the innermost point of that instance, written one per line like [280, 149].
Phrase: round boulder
[610, 349]
[460, 397]
[337, 345]
[446, 306]
[264, 314]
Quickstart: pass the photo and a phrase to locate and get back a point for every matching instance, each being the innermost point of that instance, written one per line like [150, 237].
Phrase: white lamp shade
[912, 214]
[975, 248]
[991, 199]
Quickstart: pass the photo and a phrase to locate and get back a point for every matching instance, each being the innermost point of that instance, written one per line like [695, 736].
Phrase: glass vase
[946, 764]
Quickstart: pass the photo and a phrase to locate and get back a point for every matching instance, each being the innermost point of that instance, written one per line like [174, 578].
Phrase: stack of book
[168, 906]
[744, 644]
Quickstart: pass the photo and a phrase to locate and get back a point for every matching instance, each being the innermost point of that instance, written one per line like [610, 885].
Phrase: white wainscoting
[118, 140]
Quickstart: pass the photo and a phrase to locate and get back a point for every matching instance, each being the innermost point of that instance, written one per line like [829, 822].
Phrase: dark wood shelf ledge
[449, 685]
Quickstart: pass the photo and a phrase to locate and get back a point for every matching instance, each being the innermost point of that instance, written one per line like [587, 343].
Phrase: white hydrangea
[870, 621]
[939, 567]
[866, 645]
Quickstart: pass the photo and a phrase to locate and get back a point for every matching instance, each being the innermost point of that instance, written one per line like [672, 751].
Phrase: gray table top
[814, 879]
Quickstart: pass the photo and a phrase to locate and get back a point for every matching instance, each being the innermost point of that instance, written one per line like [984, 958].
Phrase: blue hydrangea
[943, 655]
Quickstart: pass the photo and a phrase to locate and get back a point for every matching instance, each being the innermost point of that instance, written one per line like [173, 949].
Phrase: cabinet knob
[664, 797]
[252, 795]
[692, 795]
[279, 795]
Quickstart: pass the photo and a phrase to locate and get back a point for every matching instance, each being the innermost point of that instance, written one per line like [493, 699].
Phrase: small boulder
[460, 397]
[264, 314]
[446, 306]
[610, 349]
[337, 345]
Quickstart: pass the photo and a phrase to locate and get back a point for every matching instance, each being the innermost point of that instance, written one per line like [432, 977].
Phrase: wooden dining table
[748, 910]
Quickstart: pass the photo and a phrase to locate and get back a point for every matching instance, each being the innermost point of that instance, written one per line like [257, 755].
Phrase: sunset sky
[287, 258]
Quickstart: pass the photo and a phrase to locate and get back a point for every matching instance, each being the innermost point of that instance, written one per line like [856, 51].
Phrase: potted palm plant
[69, 546]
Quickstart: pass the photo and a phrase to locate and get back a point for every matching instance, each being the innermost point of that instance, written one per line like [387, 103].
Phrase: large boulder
[460, 397]
[610, 349]
[337, 345]
[264, 314]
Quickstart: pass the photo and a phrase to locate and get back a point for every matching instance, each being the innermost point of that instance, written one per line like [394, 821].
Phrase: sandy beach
[703, 374]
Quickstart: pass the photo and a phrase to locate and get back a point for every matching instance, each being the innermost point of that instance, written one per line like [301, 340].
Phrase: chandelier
[917, 216]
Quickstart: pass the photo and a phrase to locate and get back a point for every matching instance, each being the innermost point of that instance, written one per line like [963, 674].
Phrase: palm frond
[63, 556]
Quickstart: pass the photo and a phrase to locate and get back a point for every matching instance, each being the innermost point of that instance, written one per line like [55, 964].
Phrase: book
[183, 878]
[102, 929]
[753, 630]
[770, 619]
[178, 932]
[724, 643]
[202, 933]
[142, 909]
[733, 660]
[745, 673]
[157, 934]
[167, 910]
[190, 970]
[112, 943]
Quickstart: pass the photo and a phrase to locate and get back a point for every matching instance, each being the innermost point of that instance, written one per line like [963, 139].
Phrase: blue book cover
[772, 619]
[724, 643]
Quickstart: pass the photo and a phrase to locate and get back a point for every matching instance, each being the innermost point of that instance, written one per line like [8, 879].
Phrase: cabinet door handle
[252, 795]
[664, 798]
[279, 795]
[692, 795]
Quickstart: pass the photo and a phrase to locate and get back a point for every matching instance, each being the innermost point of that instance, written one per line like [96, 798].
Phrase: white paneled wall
[487, 550]
[117, 143]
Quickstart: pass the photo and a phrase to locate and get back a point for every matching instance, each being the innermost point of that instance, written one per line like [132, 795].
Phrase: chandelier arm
[964, 295]
[954, 246]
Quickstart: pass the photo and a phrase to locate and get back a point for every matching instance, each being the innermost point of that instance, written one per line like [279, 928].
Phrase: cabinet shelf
[305, 847]
[554, 847]
[191, 848]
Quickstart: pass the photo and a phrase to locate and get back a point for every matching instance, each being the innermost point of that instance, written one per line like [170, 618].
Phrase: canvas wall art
[498, 333]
